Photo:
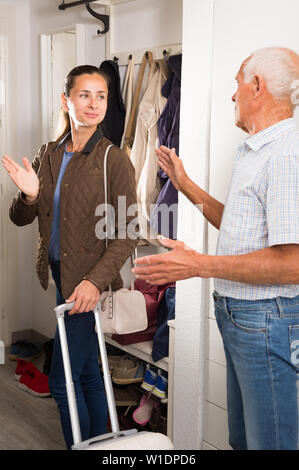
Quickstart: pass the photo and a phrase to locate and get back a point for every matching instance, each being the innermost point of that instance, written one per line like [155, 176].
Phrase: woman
[63, 188]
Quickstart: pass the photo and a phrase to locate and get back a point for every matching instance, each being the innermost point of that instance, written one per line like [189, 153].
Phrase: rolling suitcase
[116, 440]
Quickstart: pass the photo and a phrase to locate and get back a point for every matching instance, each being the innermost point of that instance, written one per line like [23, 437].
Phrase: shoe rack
[143, 351]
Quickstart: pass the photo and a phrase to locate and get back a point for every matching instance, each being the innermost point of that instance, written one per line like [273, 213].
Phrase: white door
[58, 58]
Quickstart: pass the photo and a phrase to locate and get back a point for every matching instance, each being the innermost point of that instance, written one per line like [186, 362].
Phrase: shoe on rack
[150, 378]
[126, 422]
[112, 362]
[142, 414]
[127, 371]
[126, 396]
[35, 383]
[160, 389]
[114, 356]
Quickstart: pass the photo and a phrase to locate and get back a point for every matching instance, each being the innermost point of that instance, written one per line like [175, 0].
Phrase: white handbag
[122, 311]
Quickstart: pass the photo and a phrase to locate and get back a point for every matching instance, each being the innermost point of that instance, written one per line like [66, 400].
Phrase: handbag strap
[106, 215]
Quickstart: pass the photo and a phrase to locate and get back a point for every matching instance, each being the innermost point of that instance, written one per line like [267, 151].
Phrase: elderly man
[256, 268]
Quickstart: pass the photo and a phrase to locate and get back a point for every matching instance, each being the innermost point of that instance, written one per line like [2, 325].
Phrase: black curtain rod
[63, 5]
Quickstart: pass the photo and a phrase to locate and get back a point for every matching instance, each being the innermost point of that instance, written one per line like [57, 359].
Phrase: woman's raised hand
[25, 178]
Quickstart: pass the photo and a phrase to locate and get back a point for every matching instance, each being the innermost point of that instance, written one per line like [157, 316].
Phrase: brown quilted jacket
[82, 254]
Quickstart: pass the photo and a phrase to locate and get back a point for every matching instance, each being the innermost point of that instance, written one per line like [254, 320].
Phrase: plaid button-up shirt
[262, 208]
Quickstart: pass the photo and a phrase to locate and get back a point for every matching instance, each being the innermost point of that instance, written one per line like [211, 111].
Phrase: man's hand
[173, 166]
[179, 263]
[86, 295]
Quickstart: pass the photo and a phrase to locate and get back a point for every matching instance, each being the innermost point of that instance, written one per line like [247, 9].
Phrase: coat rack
[159, 52]
[103, 18]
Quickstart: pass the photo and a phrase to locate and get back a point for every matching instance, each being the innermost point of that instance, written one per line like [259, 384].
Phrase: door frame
[46, 67]
[3, 242]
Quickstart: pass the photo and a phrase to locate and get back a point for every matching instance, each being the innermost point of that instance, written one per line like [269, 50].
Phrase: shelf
[141, 350]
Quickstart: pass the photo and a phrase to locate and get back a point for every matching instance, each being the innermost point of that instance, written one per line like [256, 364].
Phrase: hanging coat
[132, 99]
[143, 154]
[127, 94]
[169, 133]
[114, 122]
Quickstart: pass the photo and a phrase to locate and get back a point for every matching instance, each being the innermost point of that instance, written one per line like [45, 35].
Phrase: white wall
[14, 17]
[145, 24]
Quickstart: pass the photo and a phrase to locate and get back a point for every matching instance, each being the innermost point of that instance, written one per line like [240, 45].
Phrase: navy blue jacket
[169, 132]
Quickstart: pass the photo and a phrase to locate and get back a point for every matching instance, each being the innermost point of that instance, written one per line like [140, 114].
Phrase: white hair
[278, 66]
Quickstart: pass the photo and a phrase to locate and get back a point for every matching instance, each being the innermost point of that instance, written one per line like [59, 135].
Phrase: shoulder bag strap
[106, 214]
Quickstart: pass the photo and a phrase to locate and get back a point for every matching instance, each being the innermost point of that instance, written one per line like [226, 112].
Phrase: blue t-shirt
[54, 250]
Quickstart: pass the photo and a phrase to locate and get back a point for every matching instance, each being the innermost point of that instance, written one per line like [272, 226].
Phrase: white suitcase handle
[60, 311]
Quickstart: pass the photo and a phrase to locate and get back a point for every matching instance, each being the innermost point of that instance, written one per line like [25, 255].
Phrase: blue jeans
[89, 389]
[261, 343]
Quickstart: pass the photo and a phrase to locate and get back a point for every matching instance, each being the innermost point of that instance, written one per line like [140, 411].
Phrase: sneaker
[23, 366]
[37, 383]
[142, 414]
[30, 351]
[160, 389]
[25, 350]
[15, 349]
[150, 378]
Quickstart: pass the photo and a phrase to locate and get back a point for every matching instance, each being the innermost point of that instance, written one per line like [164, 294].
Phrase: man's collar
[89, 146]
[256, 141]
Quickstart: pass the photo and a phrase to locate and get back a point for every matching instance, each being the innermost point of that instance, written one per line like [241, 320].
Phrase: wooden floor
[26, 422]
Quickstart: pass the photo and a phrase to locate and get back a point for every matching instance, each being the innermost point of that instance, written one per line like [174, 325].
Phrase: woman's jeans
[89, 389]
[261, 343]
